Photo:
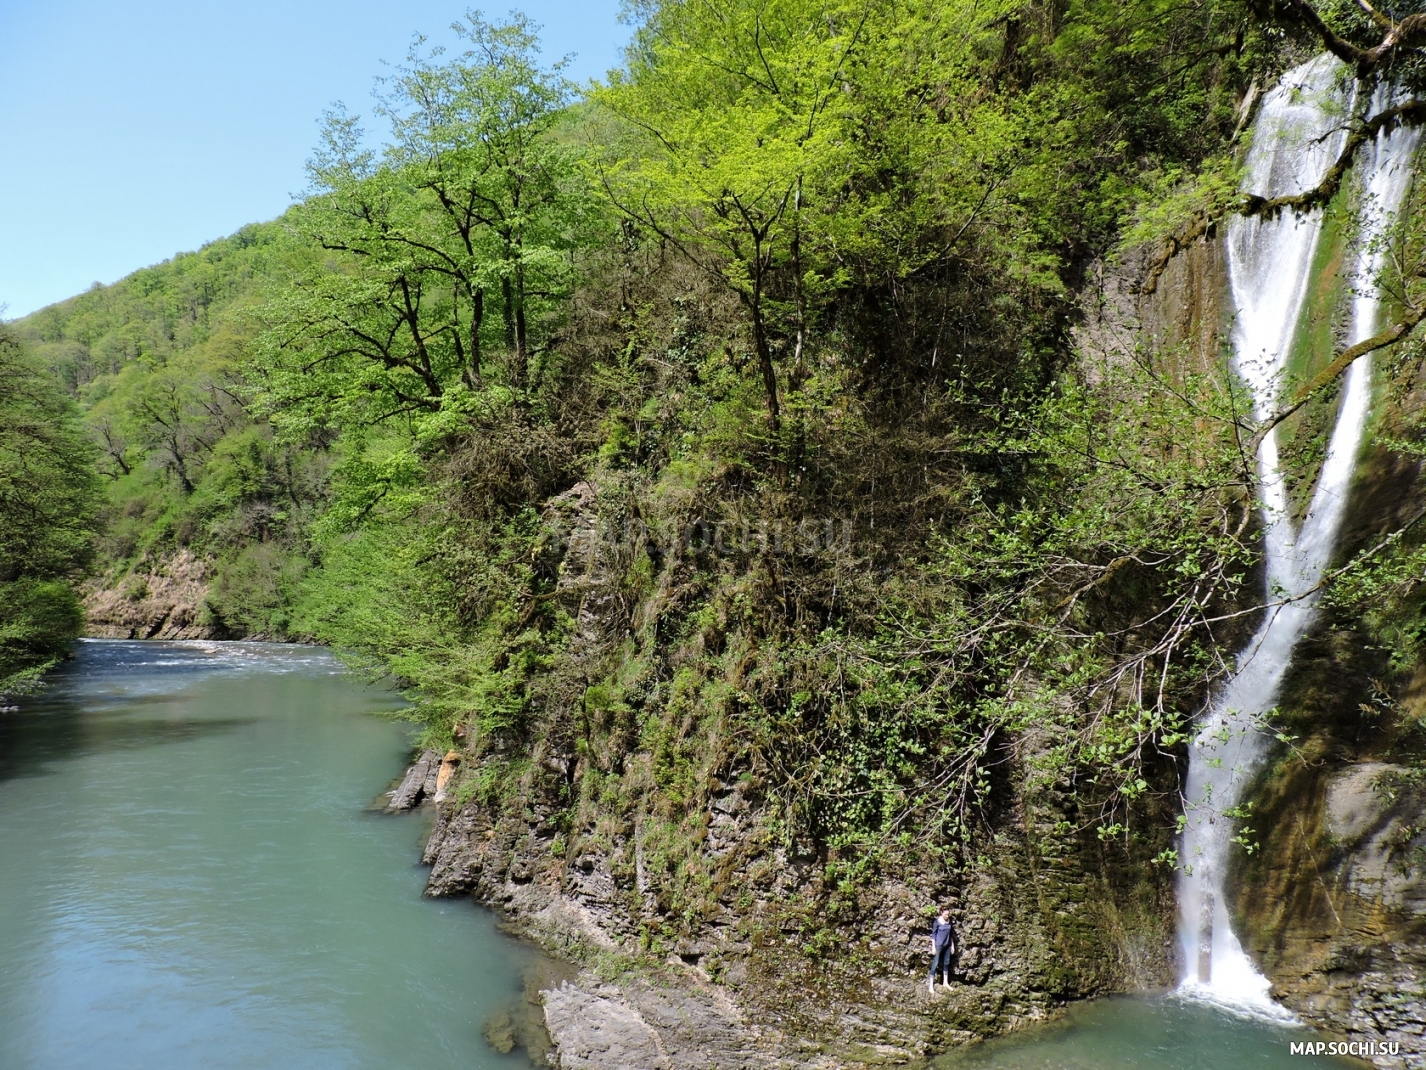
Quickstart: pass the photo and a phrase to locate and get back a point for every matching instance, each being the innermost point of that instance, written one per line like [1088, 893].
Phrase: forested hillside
[826, 281]
[157, 363]
[48, 494]
[731, 435]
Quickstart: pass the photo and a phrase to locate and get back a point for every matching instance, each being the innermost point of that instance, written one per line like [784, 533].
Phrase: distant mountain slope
[194, 483]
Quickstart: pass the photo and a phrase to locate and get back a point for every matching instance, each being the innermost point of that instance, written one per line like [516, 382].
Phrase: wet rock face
[1333, 904]
[1377, 813]
[1183, 318]
[1336, 909]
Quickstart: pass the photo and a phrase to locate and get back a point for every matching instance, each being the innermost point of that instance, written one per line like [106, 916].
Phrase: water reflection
[34, 739]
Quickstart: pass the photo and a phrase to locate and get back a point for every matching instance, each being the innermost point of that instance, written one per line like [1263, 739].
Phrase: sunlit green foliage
[156, 362]
[866, 222]
[808, 148]
[801, 262]
[455, 246]
[47, 504]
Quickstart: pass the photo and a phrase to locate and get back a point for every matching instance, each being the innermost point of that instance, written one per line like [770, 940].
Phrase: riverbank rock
[1037, 928]
[598, 1026]
[420, 782]
[596, 1032]
[162, 601]
[767, 980]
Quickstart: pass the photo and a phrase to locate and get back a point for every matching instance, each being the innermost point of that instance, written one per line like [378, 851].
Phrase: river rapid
[191, 875]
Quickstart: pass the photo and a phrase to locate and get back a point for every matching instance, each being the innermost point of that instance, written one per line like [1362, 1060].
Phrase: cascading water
[1299, 133]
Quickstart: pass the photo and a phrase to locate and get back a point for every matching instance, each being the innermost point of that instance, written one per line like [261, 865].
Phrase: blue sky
[133, 130]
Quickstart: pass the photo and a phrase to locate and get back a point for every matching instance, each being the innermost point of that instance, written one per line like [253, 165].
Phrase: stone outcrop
[161, 601]
[786, 969]
[419, 783]
[600, 1026]
[1335, 910]
[1183, 320]
[1038, 926]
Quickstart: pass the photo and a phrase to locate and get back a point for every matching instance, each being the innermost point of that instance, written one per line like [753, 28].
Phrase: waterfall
[1299, 132]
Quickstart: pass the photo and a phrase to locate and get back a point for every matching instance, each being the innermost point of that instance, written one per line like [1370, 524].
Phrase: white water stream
[1299, 132]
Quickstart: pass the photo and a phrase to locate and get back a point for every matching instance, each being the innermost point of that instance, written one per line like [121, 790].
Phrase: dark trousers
[940, 962]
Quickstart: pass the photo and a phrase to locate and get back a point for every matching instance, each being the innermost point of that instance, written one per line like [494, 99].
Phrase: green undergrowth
[721, 436]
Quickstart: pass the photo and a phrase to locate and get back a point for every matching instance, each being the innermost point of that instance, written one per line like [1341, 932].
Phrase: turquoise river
[191, 875]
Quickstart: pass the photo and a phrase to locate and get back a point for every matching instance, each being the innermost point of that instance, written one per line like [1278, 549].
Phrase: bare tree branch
[1340, 363]
[1204, 222]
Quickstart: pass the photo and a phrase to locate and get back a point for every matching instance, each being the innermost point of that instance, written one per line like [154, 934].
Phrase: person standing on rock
[943, 946]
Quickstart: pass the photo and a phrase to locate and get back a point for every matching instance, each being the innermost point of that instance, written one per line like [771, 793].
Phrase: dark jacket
[942, 934]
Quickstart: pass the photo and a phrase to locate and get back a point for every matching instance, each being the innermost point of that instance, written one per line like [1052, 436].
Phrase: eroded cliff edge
[782, 956]
[164, 599]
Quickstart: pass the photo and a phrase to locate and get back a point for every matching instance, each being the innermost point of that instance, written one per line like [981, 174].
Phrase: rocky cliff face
[162, 601]
[786, 963]
[1332, 901]
[1335, 910]
[1040, 922]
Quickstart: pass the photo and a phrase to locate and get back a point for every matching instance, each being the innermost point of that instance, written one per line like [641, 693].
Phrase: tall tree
[737, 100]
[454, 242]
[796, 148]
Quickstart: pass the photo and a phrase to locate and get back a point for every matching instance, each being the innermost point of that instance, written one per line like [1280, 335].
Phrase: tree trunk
[507, 298]
[477, 317]
[765, 365]
[522, 342]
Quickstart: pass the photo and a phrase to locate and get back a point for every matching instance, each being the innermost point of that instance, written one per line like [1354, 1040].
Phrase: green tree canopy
[800, 150]
[452, 246]
[48, 492]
